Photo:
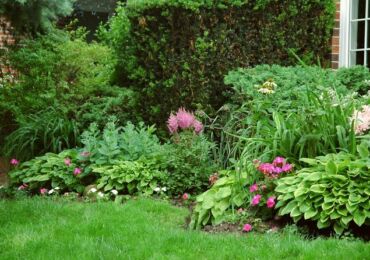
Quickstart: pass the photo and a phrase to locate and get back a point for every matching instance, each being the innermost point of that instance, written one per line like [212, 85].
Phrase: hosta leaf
[288, 208]
[310, 213]
[309, 161]
[323, 224]
[359, 217]
[38, 178]
[295, 212]
[345, 220]
[334, 215]
[300, 191]
[331, 167]
[239, 199]
[338, 228]
[363, 150]
[223, 192]
[318, 188]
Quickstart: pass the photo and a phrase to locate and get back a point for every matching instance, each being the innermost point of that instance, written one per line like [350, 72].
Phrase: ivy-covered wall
[176, 52]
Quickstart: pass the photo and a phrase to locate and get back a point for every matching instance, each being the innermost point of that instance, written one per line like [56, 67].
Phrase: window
[355, 33]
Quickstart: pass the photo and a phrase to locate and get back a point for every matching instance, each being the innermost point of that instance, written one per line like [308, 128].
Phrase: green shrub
[47, 131]
[356, 78]
[115, 144]
[35, 15]
[189, 163]
[305, 114]
[130, 177]
[179, 51]
[52, 171]
[333, 190]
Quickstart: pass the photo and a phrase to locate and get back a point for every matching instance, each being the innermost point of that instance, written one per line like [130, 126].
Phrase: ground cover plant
[142, 229]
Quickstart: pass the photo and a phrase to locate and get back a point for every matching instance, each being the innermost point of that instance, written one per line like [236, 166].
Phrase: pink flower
[23, 186]
[253, 188]
[185, 196]
[43, 191]
[67, 161]
[278, 170]
[256, 199]
[184, 119]
[77, 171]
[266, 168]
[198, 126]
[287, 167]
[14, 162]
[247, 228]
[279, 161]
[271, 202]
[172, 124]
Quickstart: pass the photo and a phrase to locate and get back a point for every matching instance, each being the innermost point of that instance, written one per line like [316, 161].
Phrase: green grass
[142, 229]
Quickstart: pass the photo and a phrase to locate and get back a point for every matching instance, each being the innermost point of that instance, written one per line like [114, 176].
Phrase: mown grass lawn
[142, 229]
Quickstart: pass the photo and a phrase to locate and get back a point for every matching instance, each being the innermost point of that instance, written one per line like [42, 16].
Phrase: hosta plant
[62, 170]
[334, 190]
[130, 177]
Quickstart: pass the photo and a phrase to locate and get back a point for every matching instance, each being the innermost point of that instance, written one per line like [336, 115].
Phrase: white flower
[56, 188]
[164, 189]
[93, 190]
[266, 91]
[114, 192]
[100, 194]
[157, 189]
[1, 186]
[51, 191]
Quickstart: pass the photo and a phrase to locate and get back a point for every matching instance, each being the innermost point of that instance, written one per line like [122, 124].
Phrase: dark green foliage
[356, 78]
[32, 16]
[333, 190]
[175, 53]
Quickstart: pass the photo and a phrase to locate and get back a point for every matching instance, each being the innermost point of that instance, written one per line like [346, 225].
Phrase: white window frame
[345, 33]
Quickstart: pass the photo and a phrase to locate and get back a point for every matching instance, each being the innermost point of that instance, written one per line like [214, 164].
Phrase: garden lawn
[142, 229]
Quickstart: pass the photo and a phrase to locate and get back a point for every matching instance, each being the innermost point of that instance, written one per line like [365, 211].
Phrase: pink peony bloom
[279, 161]
[287, 167]
[185, 196]
[172, 124]
[67, 161]
[198, 126]
[43, 191]
[14, 162]
[278, 170]
[266, 168]
[77, 171]
[247, 228]
[271, 202]
[253, 188]
[185, 119]
[256, 199]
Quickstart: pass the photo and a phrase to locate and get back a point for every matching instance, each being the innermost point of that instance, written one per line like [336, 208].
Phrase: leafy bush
[130, 177]
[35, 15]
[292, 112]
[179, 51]
[52, 171]
[333, 190]
[356, 78]
[46, 131]
[117, 144]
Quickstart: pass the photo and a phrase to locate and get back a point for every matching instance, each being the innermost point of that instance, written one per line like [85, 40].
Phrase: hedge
[176, 52]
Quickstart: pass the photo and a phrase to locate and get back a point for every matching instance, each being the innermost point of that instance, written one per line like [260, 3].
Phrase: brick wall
[6, 38]
[335, 39]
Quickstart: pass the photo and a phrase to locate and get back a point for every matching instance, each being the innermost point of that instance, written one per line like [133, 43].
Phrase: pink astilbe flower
[256, 199]
[271, 202]
[14, 162]
[77, 171]
[43, 191]
[198, 126]
[279, 161]
[253, 188]
[185, 119]
[247, 228]
[172, 124]
[67, 162]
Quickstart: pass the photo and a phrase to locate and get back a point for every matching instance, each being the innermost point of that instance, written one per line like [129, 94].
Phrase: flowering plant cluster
[183, 120]
[274, 169]
[268, 87]
[361, 120]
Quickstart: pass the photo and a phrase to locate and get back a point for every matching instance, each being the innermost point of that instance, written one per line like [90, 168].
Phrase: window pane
[368, 59]
[358, 9]
[358, 35]
[357, 58]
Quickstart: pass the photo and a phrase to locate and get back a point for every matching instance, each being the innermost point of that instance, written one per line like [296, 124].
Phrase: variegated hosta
[334, 190]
